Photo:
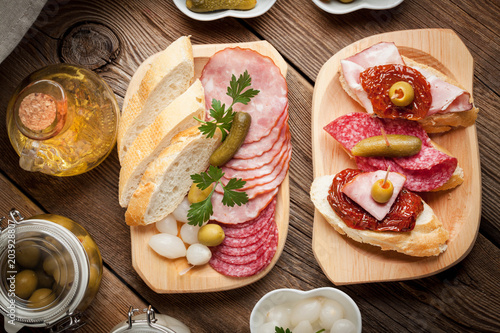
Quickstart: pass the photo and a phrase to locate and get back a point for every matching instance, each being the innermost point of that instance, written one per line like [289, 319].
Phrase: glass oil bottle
[62, 120]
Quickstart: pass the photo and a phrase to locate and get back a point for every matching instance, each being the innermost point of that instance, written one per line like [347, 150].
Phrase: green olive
[401, 93]
[235, 138]
[41, 297]
[399, 146]
[346, 1]
[26, 283]
[44, 280]
[203, 6]
[88, 244]
[28, 254]
[50, 265]
[61, 276]
[211, 235]
[381, 192]
[196, 195]
[93, 277]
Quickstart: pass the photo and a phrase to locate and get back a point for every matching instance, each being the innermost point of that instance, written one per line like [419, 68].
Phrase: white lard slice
[360, 187]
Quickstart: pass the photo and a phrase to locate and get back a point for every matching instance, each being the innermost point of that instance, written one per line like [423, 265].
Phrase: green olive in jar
[93, 277]
[26, 283]
[88, 244]
[50, 265]
[44, 280]
[28, 254]
[41, 297]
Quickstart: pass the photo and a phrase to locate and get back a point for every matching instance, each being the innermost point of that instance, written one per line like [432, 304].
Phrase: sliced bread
[167, 179]
[428, 238]
[176, 117]
[155, 85]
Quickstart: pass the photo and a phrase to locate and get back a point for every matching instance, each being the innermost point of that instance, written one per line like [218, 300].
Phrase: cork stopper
[37, 111]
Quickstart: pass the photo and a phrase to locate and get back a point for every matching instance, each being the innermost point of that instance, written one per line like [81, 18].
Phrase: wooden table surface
[113, 37]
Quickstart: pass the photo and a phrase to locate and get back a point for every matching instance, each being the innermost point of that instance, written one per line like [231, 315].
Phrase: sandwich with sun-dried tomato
[390, 85]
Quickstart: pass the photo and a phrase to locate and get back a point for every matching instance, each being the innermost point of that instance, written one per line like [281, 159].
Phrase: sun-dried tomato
[377, 81]
[401, 217]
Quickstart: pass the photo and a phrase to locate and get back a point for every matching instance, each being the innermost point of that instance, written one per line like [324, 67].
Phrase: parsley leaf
[281, 330]
[200, 212]
[222, 117]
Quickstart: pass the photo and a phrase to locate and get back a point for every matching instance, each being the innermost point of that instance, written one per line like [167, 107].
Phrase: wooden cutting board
[345, 261]
[162, 274]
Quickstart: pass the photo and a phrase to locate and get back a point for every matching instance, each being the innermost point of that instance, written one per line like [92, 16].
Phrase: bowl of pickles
[209, 10]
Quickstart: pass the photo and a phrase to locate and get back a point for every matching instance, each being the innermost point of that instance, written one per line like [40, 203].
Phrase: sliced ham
[265, 108]
[256, 149]
[425, 171]
[243, 213]
[266, 158]
[360, 187]
[251, 174]
[445, 96]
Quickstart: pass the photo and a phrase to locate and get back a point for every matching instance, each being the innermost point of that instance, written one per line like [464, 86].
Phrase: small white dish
[337, 7]
[260, 8]
[280, 296]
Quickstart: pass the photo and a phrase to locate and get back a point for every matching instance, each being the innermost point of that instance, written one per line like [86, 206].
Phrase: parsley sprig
[200, 212]
[223, 118]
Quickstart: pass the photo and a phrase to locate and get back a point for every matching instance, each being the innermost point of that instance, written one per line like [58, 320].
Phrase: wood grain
[463, 298]
[163, 275]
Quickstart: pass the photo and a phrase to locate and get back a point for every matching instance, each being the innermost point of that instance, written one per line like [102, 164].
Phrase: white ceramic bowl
[337, 7]
[280, 296]
[260, 8]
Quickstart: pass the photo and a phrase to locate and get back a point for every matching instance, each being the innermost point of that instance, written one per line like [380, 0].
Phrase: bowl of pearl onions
[328, 310]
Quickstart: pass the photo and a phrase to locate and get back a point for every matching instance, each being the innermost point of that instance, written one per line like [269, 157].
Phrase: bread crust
[175, 63]
[436, 123]
[178, 116]
[428, 238]
[175, 164]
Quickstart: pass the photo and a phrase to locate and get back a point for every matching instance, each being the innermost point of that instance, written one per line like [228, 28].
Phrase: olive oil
[62, 120]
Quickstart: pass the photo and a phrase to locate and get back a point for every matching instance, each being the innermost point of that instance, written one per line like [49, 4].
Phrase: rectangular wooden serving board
[162, 274]
[345, 261]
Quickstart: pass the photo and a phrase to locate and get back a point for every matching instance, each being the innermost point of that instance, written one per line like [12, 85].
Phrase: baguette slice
[168, 76]
[428, 238]
[176, 117]
[167, 180]
[436, 123]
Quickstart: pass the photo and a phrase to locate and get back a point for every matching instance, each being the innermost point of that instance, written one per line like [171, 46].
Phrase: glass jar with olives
[51, 270]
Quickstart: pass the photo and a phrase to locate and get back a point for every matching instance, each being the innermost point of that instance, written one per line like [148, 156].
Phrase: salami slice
[241, 258]
[250, 268]
[243, 213]
[265, 108]
[425, 171]
[251, 227]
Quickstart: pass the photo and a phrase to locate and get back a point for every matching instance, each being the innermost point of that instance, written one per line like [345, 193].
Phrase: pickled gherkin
[395, 146]
[202, 6]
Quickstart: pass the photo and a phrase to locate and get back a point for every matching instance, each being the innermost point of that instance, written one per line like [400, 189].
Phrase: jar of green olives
[51, 270]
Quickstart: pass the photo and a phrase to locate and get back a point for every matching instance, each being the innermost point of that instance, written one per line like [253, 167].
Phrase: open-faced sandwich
[204, 159]
[393, 86]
